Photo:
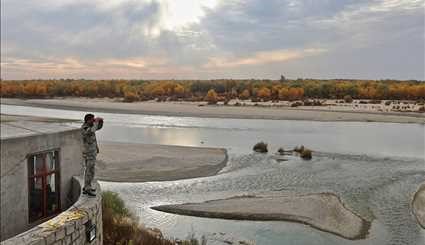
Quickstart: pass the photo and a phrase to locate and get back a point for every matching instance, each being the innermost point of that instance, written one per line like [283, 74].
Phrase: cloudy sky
[203, 39]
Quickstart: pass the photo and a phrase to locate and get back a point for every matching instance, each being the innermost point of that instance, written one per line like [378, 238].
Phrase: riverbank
[124, 162]
[418, 205]
[202, 110]
[323, 211]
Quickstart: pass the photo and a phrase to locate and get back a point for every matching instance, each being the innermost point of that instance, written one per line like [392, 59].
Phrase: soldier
[90, 150]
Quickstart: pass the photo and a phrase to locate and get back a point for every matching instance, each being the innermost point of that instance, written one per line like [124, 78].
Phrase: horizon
[212, 40]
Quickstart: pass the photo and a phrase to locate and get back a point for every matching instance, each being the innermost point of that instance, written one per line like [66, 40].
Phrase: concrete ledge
[69, 227]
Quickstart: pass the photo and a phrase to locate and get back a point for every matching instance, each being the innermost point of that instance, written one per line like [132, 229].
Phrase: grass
[121, 227]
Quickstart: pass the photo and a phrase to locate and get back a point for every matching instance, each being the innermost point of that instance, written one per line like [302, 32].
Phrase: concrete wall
[14, 174]
[69, 227]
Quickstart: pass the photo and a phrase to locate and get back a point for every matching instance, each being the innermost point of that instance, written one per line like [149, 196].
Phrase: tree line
[216, 90]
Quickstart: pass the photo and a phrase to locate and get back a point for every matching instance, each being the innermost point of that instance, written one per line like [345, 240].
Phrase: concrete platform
[21, 126]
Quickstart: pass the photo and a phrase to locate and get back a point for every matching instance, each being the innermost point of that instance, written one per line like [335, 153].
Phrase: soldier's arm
[90, 130]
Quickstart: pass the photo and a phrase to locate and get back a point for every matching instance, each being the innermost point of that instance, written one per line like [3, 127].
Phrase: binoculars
[100, 122]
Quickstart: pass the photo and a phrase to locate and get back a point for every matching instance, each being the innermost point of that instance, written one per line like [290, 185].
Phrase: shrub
[299, 149]
[120, 226]
[111, 200]
[348, 99]
[130, 96]
[305, 154]
[308, 103]
[281, 151]
[296, 104]
[260, 147]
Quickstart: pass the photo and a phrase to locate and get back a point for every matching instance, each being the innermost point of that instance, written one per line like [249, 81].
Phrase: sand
[202, 110]
[123, 162]
[418, 205]
[323, 211]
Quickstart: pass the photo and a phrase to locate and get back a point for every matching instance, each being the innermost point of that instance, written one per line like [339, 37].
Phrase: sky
[212, 39]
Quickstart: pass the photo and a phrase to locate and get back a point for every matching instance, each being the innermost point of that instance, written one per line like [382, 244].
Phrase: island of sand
[124, 162]
[418, 205]
[323, 211]
[196, 110]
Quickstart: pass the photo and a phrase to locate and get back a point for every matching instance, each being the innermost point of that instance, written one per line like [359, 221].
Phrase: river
[374, 167]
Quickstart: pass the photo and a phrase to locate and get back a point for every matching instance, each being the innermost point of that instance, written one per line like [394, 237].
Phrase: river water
[374, 167]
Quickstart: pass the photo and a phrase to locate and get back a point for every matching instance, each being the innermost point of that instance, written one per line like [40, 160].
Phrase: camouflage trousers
[89, 162]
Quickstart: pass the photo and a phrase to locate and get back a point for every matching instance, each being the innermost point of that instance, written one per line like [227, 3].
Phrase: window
[43, 185]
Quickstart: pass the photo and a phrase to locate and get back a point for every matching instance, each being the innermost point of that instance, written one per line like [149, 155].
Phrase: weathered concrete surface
[69, 227]
[323, 211]
[21, 126]
[124, 162]
[418, 205]
[18, 139]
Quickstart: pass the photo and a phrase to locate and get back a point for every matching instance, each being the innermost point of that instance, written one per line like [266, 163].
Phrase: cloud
[263, 57]
[212, 38]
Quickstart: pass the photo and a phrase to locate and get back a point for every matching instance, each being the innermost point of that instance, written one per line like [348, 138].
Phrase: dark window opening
[43, 185]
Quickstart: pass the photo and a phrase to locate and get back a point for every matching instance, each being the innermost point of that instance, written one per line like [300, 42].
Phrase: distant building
[39, 158]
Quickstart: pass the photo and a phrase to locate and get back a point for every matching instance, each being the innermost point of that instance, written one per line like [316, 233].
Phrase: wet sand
[194, 110]
[323, 211]
[123, 162]
[418, 205]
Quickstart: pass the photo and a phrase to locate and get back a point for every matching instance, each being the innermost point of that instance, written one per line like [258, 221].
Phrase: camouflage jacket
[89, 139]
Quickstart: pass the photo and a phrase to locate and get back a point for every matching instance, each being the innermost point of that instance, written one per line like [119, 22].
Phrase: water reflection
[239, 135]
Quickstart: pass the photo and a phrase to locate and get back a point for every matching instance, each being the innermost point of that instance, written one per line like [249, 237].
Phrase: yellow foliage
[211, 96]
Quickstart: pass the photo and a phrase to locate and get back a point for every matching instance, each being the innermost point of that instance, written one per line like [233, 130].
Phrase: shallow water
[374, 167]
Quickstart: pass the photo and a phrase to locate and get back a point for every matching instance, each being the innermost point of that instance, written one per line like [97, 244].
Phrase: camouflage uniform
[90, 150]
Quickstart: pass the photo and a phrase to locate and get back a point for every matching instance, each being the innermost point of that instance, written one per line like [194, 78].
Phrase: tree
[211, 97]
[264, 93]
[130, 96]
[178, 90]
[245, 95]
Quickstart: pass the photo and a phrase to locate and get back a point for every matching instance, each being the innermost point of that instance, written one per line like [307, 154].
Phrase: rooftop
[22, 126]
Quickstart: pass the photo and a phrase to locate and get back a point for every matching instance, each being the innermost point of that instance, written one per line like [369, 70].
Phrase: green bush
[121, 227]
[111, 200]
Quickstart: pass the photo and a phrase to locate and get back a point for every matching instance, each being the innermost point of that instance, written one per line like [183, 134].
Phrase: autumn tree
[211, 97]
[178, 90]
[245, 95]
[264, 93]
